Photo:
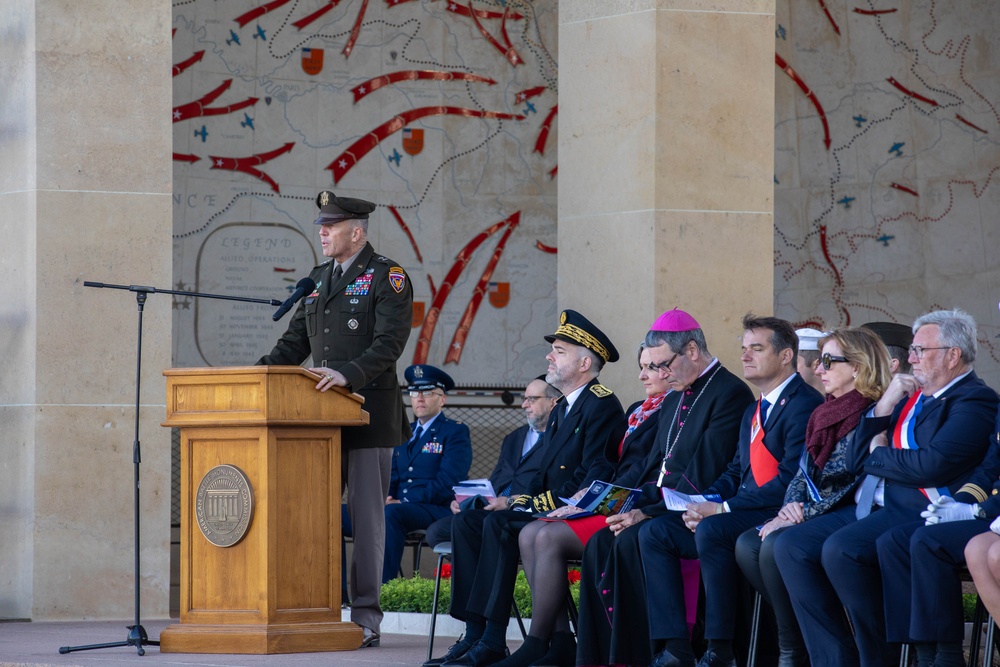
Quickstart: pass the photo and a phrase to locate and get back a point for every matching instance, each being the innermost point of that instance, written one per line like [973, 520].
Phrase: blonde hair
[868, 353]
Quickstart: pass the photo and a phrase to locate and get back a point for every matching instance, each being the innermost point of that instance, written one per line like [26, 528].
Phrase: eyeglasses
[829, 360]
[663, 365]
[918, 350]
[424, 393]
[530, 400]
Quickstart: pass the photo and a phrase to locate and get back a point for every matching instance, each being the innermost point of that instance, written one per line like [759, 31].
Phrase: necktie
[338, 271]
[866, 497]
[763, 465]
[417, 433]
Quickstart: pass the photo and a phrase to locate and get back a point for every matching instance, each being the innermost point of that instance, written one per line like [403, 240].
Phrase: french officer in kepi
[427, 466]
[355, 325]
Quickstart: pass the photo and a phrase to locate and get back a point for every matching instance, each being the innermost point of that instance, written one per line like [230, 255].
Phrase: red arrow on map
[346, 160]
[257, 12]
[180, 67]
[248, 165]
[197, 108]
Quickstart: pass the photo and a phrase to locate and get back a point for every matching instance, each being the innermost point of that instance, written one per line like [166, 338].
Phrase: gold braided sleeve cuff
[975, 491]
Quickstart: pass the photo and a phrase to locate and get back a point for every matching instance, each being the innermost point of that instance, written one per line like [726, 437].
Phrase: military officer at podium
[355, 325]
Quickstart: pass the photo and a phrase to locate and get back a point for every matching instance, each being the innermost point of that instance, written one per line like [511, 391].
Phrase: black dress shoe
[480, 655]
[370, 638]
[793, 658]
[561, 653]
[710, 659]
[668, 659]
[455, 651]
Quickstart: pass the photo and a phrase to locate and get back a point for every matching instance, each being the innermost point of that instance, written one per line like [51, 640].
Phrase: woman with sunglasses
[855, 369]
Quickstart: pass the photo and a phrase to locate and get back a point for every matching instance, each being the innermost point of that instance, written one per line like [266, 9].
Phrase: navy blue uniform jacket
[573, 454]
[424, 471]
[784, 437]
[952, 433]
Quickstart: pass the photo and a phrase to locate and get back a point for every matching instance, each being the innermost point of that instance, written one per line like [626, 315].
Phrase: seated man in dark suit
[519, 457]
[485, 548]
[931, 430]
[939, 422]
[770, 445]
[424, 468]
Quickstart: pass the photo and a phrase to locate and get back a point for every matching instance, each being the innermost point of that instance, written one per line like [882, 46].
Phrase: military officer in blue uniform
[425, 468]
[354, 325]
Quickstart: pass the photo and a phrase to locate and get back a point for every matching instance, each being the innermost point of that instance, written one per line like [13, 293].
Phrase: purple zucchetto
[675, 320]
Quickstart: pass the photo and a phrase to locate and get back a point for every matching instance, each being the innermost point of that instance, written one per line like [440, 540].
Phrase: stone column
[85, 187]
[666, 152]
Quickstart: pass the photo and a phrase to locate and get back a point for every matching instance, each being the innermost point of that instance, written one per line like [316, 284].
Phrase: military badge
[397, 278]
[352, 324]
[600, 391]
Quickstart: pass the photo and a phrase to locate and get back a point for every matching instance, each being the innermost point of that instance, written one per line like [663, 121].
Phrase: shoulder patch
[397, 278]
[600, 391]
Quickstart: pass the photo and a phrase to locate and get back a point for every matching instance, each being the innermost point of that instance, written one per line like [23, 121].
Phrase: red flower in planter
[445, 571]
[573, 576]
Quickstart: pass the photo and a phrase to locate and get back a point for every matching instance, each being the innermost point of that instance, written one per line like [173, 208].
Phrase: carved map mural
[443, 113]
[887, 163]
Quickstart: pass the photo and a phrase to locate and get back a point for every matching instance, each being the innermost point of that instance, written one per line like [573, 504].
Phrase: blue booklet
[605, 499]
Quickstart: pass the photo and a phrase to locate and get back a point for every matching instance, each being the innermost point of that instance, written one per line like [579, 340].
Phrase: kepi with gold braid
[576, 329]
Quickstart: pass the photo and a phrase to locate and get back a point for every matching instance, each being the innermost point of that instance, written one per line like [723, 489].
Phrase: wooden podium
[277, 589]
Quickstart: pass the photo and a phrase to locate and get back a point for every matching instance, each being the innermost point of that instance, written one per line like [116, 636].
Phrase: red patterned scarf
[831, 421]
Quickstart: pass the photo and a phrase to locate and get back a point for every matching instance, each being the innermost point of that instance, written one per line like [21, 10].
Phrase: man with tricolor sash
[931, 431]
[750, 492]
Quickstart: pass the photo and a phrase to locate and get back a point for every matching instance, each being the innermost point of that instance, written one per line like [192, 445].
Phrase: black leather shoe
[793, 658]
[370, 638]
[668, 659]
[561, 653]
[710, 659]
[455, 651]
[480, 655]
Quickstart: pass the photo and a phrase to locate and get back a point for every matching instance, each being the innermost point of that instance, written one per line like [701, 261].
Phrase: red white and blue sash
[903, 436]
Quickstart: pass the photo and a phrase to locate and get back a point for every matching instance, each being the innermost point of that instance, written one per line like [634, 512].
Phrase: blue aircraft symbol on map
[394, 157]
[859, 119]
[233, 37]
[885, 238]
[260, 33]
[846, 201]
[202, 132]
[530, 108]
[780, 32]
[897, 148]
[248, 122]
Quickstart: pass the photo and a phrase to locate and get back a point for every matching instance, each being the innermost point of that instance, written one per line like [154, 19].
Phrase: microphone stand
[137, 634]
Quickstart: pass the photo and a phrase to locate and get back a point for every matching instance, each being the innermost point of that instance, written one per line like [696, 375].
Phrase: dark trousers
[485, 557]
[798, 553]
[756, 560]
[439, 531]
[921, 567]
[664, 541]
[850, 557]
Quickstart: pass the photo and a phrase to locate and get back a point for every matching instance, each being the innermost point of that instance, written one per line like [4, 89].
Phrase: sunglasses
[828, 360]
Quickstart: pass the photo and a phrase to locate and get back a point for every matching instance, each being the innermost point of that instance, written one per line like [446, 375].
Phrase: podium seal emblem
[224, 505]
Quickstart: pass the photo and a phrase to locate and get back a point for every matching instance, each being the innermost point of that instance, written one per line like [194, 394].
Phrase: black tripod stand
[137, 634]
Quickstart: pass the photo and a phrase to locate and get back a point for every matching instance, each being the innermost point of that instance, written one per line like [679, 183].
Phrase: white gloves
[945, 509]
[995, 526]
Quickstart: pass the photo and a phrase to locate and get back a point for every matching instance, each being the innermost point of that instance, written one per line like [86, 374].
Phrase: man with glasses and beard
[517, 465]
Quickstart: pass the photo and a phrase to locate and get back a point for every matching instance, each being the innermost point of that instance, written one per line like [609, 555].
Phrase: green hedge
[417, 595]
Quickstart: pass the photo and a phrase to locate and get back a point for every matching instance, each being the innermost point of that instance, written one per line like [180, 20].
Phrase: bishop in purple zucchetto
[675, 320]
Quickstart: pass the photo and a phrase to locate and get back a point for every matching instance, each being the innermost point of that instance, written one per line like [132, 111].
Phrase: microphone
[303, 287]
